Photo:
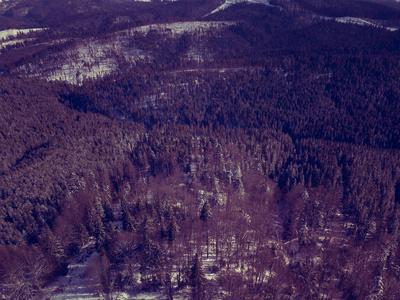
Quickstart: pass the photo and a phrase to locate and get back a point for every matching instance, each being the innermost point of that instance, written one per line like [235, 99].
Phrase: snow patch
[153, 0]
[229, 3]
[89, 60]
[14, 42]
[359, 21]
[75, 285]
[182, 27]
[5, 34]
[147, 296]
[353, 20]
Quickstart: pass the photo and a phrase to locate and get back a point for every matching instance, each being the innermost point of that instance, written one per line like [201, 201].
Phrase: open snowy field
[183, 27]
[4, 34]
[96, 58]
[229, 3]
[363, 22]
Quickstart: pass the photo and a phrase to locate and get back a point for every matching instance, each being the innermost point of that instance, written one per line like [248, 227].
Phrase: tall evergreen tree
[206, 216]
[206, 212]
[197, 279]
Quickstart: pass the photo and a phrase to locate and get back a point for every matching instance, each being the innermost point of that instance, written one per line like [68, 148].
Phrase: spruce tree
[206, 212]
[206, 216]
[197, 279]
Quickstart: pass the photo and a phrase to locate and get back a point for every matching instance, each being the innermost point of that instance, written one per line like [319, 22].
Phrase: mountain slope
[149, 150]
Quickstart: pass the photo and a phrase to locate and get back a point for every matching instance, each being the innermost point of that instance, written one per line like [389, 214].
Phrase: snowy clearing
[359, 21]
[76, 285]
[229, 3]
[353, 20]
[14, 42]
[182, 27]
[152, 0]
[89, 60]
[220, 70]
[5, 34]
[97, 58]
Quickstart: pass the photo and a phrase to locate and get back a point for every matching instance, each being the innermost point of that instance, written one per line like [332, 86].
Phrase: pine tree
[206, 212]
[197, 279]
[56, 251]
[95, 219]
[173, 230]
[206, 216]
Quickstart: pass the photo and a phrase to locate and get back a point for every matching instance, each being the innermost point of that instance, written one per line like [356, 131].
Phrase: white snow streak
[229, 3]
[182, 27]
[5, 34]
[94, 58]
[89, 60]
[359, 21]
[75, 285]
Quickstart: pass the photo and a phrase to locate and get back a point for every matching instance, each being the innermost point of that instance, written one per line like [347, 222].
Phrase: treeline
[89, 18]
[360, 9]
[344, 98]
[258, 34]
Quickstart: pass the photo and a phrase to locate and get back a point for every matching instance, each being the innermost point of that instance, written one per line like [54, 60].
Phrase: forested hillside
[250, 153]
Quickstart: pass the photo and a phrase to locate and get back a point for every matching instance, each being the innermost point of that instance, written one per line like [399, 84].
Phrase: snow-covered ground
[14, 42]
[88, 60]
[76, 285]
[82, 280]
[229, 3]
[182, 27]
[153, 0]
[5, 34]
[353, 20]
[359, 21]
[97, 58]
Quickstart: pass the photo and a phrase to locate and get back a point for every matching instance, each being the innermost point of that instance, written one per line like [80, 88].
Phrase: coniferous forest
[188, 150]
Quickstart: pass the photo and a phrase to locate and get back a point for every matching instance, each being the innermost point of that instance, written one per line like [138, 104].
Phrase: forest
[252, 153]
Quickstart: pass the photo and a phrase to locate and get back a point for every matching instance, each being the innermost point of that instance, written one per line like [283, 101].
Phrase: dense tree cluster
[362, 9]
[267, 169]
[93, 17]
